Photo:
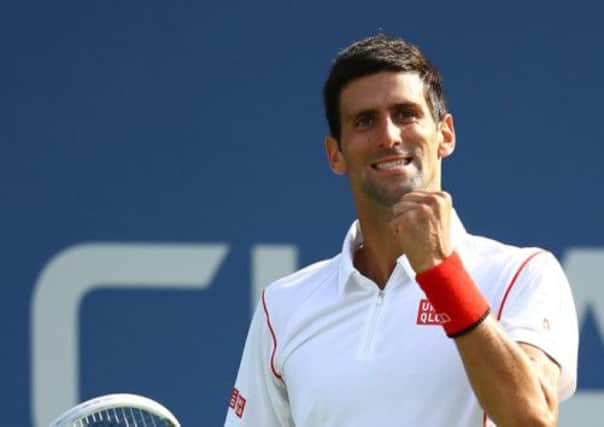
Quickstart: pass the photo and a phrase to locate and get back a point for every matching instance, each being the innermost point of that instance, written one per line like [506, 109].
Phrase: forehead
[382, 90]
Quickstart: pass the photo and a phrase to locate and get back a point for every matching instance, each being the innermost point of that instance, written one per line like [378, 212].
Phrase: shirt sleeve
[259, 398]
[540, 311]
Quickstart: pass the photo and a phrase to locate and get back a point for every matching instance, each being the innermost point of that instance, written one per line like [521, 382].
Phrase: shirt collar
[354, 239]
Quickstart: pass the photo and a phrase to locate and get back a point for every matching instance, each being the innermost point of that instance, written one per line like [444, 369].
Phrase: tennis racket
[117, 410]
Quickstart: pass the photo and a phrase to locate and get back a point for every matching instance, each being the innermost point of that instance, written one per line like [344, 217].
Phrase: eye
[364, 120]
[406, 115]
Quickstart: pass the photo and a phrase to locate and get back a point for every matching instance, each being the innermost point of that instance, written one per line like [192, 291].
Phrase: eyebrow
[396, 106]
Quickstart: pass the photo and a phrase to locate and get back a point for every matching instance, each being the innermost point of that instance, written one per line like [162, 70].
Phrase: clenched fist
[421, 223]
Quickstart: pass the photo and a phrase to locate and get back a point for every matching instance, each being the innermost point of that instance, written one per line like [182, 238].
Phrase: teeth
[393, 164]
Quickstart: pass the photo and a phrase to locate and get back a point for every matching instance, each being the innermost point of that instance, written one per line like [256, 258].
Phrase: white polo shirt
[328, 348]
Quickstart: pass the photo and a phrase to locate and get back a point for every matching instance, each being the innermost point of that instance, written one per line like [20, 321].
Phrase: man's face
[390, 144]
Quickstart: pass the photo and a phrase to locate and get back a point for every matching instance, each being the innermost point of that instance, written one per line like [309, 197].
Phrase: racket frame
[113, 401]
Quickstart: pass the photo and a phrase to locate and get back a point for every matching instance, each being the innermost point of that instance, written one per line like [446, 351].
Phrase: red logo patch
[240, 406]
[426, 315]
[237, 402]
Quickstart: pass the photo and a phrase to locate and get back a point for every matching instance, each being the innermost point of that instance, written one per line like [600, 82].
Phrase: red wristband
[454, 295]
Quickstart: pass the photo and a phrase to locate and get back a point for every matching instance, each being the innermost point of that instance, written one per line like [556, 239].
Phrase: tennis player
[415, 322]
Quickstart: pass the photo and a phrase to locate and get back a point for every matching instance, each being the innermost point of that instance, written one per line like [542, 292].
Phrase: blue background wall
[201, 122]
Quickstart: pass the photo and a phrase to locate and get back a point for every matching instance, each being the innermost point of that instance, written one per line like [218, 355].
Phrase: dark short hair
[373, 55]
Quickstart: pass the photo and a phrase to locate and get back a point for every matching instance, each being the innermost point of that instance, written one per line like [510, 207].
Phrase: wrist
[453, 293]
[422, 265]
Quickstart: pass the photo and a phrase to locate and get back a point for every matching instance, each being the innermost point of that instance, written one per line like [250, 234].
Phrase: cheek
[416, 131]
[426, 137]
[357, 147]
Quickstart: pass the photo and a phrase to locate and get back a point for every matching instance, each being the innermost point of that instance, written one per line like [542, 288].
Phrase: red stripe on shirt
[270, 328]
[511, 285]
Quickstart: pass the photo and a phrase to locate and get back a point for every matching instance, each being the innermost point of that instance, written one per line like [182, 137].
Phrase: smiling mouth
[392, 164]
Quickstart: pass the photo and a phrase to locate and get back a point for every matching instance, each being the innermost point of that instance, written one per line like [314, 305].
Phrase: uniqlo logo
[237, 402]
[426, 315]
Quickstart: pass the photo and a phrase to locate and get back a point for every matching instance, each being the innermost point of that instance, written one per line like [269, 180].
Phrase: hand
[421, 223]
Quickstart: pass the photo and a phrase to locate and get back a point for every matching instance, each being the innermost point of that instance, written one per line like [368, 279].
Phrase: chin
[388, 196]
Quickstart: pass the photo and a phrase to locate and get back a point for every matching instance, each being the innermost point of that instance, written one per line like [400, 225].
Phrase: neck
[377, 257]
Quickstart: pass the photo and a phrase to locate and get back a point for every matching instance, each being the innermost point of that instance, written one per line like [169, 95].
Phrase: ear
[447, 136]
[336, 160]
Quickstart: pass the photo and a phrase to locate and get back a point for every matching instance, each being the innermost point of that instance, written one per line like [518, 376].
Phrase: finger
[436, 199]
[412, 216]
[421, 193]
[407, 205]
[408, 200]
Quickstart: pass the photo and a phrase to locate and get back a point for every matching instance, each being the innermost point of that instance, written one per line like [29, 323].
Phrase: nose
[390, 133]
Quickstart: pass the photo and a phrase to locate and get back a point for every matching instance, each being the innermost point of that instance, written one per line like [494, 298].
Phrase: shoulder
[282, 297]
[492, 257]
[500, 268]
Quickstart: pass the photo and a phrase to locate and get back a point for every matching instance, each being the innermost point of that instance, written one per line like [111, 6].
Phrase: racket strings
[122, 417]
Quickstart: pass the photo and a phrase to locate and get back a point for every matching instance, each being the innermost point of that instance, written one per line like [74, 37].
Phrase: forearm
[504, 378]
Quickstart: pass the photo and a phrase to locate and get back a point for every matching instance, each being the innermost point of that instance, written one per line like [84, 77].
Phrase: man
[416, 322]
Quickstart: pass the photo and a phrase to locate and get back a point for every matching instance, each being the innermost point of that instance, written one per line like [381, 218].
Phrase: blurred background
[162, 161]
